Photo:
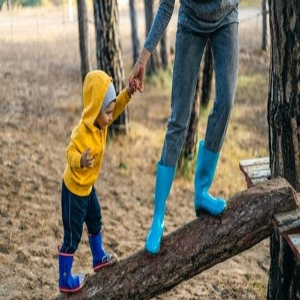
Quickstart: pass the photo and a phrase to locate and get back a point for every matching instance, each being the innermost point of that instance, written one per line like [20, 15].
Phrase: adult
[198, 22]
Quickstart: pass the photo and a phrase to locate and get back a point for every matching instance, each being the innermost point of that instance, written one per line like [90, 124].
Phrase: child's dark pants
[77, 210]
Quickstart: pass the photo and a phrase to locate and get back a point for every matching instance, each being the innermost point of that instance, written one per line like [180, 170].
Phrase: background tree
[189, 149]
[134, 32]
[284, 120]
[207, 76]
[264, 43]
[108, 52]
[154, 64]
[84, 42]
[164, 52]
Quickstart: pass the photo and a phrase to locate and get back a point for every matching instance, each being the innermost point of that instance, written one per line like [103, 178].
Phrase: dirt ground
[41, 102]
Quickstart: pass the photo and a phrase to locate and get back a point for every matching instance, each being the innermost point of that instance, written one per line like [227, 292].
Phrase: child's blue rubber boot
[100, 258]
[204, 176]
[164, 180]
[68, 283]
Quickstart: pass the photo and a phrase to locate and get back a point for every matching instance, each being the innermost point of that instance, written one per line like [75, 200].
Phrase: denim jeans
[76, 211]
[189, 49]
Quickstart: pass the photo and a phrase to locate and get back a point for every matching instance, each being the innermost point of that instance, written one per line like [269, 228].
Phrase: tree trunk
[264, 44]
[153, 64]
[108, 51]
[134, 32]
[195, 247]
[84, 41]
[8, 5]
[283, 118]
[207, 76]
[164, 53]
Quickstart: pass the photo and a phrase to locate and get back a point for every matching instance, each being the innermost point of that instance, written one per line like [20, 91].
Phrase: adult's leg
[225, 49]
[225, 54]
[188, 53]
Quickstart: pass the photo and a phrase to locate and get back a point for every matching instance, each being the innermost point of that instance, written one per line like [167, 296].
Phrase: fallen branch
[195, 247]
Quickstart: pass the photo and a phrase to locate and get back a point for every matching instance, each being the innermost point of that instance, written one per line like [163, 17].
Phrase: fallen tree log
[195, 247]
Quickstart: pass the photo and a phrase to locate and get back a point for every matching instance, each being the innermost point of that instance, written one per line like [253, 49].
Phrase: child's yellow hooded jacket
[85, 135]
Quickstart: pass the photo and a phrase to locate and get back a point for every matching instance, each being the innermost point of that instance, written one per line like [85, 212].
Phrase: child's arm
[78, 154]
[122, 100]
[128, 90]
[77, 160]
[73, 156]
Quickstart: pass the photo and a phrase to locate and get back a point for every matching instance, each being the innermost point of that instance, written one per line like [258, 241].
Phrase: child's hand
[87, 160]
[132, 88]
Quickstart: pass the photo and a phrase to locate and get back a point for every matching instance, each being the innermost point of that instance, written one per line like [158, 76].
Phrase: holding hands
[136, 79]
[137, 76]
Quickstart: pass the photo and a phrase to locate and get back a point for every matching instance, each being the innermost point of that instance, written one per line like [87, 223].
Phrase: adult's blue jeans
[189, 50]
[76, 211]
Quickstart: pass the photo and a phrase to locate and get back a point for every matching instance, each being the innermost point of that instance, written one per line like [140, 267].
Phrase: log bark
[195, 247]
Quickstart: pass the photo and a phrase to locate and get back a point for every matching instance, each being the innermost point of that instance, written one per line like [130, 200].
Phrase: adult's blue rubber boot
[68, 283]
[100, 258]
[204, 175]
[164, 180]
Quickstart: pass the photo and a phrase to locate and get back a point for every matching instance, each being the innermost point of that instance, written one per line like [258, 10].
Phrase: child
[84, 158]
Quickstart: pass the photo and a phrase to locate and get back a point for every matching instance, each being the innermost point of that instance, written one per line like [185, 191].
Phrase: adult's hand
[137, 76]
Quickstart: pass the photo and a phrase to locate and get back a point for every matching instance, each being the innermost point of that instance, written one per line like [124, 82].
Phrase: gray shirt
[200, 16]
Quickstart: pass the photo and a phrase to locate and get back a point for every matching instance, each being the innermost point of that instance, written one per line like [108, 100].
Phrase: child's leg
[68, 283]
[94, 225]
[73, 213]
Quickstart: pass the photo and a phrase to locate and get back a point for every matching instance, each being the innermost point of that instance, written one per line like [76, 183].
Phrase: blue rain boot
[204, 176]
[100, 258]
[68, 283]
[164, 180]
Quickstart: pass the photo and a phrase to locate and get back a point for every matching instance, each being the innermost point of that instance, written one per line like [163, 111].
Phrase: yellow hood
[95, 87]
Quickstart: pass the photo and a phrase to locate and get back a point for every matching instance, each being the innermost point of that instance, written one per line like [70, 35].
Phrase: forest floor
[41, 102]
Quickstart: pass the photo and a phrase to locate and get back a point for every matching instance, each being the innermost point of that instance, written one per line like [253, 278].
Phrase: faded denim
[189, 51]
